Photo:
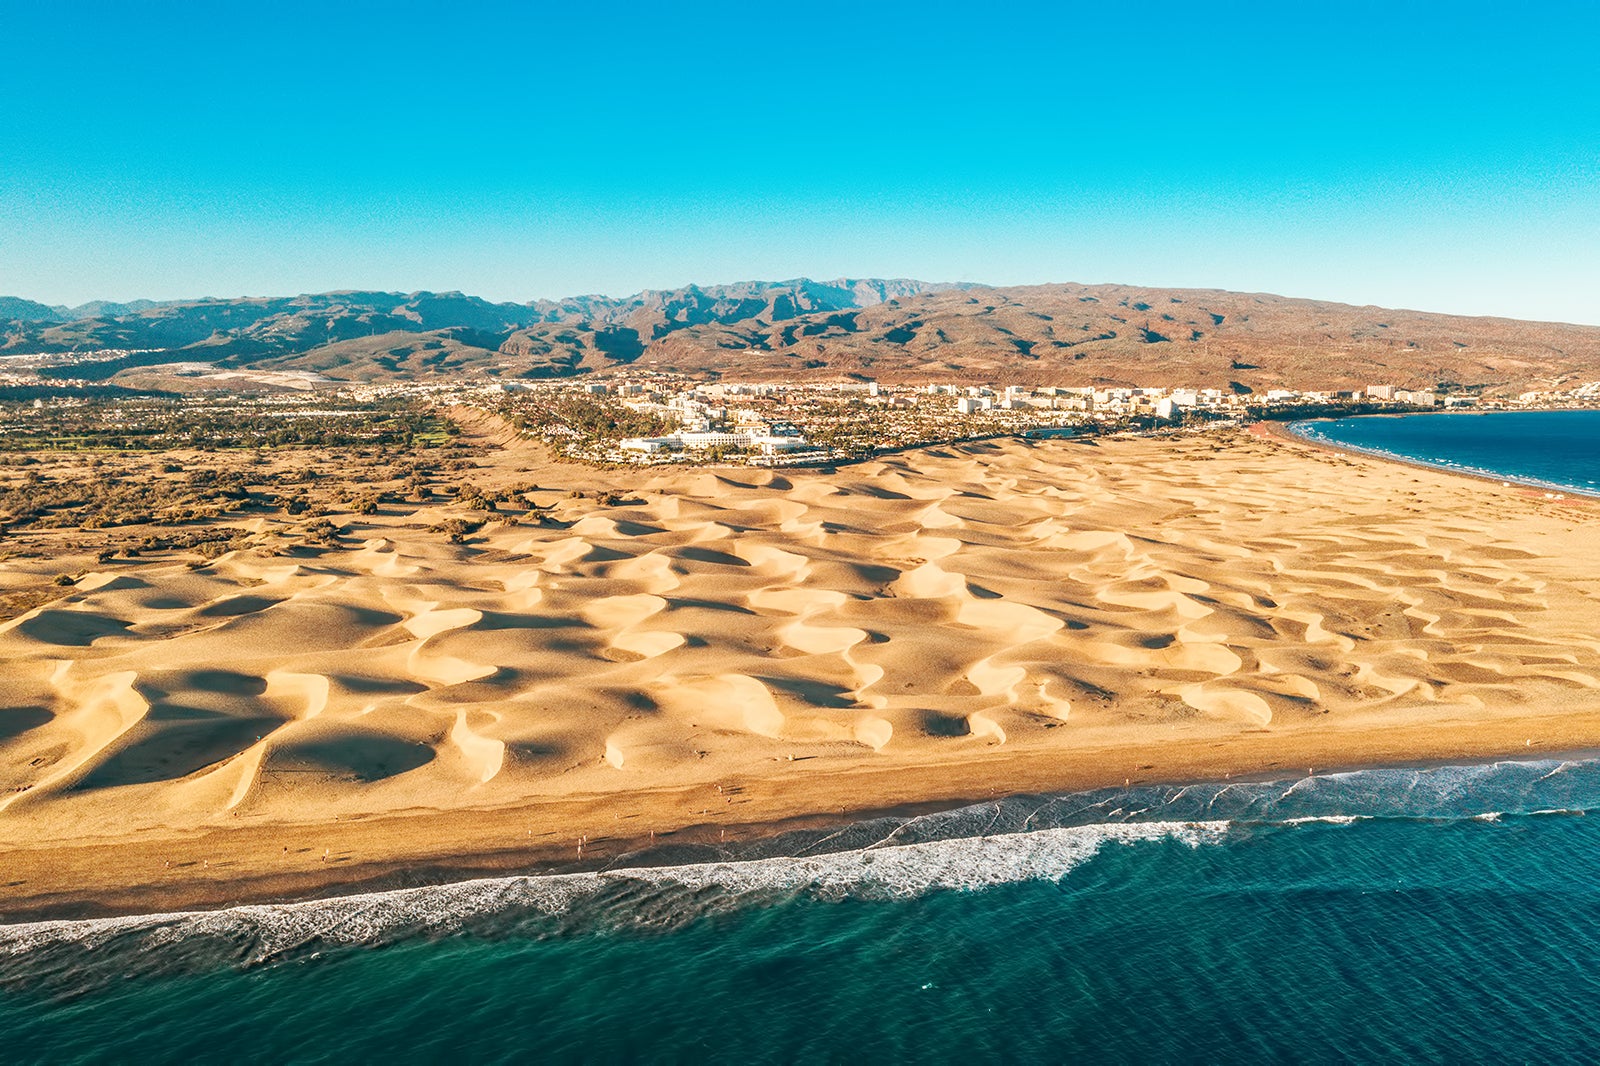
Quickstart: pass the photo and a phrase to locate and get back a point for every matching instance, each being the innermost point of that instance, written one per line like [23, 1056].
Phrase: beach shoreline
[247, 866]
[1285, 431]
[1237, 611]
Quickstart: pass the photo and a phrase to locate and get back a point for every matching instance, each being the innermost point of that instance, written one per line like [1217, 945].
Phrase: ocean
[1552, 449]
[1439, 914]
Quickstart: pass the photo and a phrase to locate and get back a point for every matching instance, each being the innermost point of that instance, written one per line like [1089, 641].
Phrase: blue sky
[1438, 156]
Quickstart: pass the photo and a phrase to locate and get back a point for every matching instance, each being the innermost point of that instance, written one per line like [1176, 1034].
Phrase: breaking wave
[1020, 838]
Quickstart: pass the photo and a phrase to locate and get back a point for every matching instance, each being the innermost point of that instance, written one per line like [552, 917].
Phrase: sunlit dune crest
[1056, 610]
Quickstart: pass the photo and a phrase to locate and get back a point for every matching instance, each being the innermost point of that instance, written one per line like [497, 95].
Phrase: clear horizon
[1386, 156]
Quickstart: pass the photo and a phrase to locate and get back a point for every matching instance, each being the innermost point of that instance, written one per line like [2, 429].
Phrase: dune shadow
[361, 754]
[72, 629]
[124, 583]
[227, 683]
[182, 712]
[15, 721]
[876, 573]
[639, 701]
[237, 605]
[599, 553]
[174, 742]
[370, 616]
[497, 620]
[707, 555]
[815, 693]
[675, 603]
[534, 751]
[944, 725]
[491, 689]
[637, 529]
[358, 683]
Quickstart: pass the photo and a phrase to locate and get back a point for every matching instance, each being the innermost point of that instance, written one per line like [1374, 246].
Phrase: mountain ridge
[843, 328]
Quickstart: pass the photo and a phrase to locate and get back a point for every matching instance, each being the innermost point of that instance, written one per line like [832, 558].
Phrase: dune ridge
[1013, 600]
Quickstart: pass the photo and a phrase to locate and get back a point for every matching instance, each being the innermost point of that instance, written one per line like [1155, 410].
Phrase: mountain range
[14, 308]
[887, 330]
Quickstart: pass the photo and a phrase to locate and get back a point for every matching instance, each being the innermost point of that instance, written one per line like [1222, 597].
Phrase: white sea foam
[1328, 819]
[1020, 838]
[888, 872]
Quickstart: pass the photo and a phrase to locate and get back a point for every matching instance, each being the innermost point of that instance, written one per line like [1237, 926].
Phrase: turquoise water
[1555, 449]
[1442, 914]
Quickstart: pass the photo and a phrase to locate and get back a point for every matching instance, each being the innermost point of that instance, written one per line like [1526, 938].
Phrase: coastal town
[770, 424]
[656, 418]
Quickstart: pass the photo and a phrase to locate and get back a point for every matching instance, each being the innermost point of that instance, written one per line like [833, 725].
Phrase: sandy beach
[720, 652]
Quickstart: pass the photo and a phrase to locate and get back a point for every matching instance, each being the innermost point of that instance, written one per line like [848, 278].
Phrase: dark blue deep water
[1556, 449]
[1448, 914]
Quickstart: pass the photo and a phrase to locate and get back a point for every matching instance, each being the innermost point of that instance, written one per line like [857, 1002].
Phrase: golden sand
[731, 648]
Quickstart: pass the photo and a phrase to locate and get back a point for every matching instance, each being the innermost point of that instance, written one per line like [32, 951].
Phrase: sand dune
[918, 615]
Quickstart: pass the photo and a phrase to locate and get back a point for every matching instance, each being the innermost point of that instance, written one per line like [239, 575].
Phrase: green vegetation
[160, 424]
[1299, 411]
[102, 501]
[851, 429]
[582, 415]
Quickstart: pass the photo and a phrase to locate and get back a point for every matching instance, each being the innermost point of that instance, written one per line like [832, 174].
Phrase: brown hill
[1113, 334]
[805, 330]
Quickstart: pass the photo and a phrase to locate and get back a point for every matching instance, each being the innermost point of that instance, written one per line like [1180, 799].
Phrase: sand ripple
[943, 605]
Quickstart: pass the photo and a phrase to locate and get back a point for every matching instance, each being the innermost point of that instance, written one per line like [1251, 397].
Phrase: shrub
[457, 529]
